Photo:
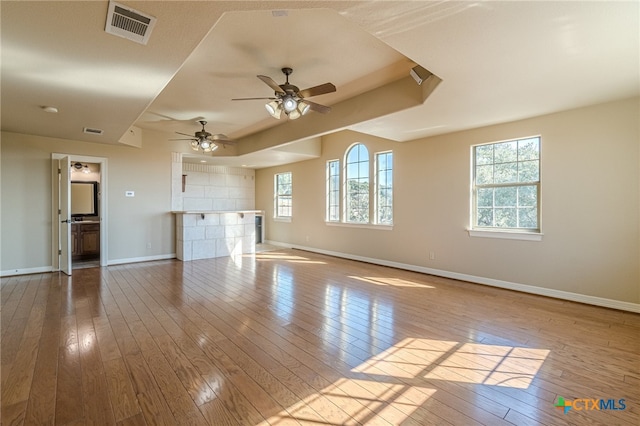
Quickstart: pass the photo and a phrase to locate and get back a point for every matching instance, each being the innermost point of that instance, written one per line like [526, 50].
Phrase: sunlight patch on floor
[353, 401]
[387, 281]
[458, 362]
[270, 256]
[491, 365]
[392, 385]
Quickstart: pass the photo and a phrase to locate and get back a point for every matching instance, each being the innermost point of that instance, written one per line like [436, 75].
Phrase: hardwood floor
[290, 337]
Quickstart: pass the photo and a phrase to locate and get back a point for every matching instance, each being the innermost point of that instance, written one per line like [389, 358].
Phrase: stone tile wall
[217, 188]
[209, 235]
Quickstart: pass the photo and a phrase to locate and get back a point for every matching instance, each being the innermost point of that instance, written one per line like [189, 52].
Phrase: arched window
[357, 184]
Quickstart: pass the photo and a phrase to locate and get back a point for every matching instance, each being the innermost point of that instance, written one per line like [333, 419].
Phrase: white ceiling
[498, 61]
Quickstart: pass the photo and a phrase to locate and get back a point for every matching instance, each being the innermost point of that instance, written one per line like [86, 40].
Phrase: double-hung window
[333, 191]
[283, 200]
[384, 188]
[506, 186]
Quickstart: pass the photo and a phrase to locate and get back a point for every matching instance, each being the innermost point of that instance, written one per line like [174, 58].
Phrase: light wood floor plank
[42, 397]
[17, 381]
[69, 395]
[290, 337]
[155, 409]
[94, 385]
[121, 393]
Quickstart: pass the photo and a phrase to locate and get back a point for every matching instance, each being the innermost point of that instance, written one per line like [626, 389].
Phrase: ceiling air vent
[90, 131]
[128, 23]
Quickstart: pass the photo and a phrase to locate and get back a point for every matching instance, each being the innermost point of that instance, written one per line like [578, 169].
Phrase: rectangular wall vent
[90, 131]
[129, 23]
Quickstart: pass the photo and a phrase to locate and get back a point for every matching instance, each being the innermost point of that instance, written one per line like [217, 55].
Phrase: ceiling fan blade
[317, 90]
[221, 138]
[229, 142]
[184, 139]
[185, 134]
[253, 99]
[269, 82]
[317, 107]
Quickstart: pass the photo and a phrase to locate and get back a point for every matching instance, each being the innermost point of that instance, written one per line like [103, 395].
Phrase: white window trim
[502, 233]
[345, 190]
[327, 195]
[276, 196]
[506, 234]
[373, 192]
[379, 227]
[376, 212]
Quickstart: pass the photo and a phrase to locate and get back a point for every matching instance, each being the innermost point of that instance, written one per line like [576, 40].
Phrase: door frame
[55, 202]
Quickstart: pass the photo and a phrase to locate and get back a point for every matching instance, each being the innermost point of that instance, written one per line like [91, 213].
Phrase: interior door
[65, 215]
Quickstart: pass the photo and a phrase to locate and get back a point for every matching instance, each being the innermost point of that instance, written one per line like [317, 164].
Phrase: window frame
[525, 233]
[373, 193]
[330, 190]
[278, 197]
[377, 188]
[346, 191]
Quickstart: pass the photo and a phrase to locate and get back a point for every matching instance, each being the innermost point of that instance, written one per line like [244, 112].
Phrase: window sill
[361, 225]
[506, 235]
[282, 219]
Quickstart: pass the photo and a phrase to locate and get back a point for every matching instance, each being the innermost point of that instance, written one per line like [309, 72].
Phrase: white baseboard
[525, 288]
[140, 259]
[44, 269]
[26, 271]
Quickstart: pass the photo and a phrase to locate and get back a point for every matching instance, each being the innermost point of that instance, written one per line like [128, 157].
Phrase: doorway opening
[85, 214]
[80, 238]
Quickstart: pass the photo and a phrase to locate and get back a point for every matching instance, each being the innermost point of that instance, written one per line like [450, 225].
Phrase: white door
[65, 215]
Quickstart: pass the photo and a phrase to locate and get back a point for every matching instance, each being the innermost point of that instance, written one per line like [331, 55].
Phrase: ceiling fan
[205, 141]
[291, 99]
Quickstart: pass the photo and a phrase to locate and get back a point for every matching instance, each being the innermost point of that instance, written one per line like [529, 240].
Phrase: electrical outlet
[148, 245]
[432, 255]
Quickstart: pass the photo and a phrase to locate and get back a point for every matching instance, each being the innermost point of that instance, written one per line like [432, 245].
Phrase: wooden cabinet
[85, 240]
[74, 240]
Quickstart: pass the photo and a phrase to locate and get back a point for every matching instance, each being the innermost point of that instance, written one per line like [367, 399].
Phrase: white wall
[590, 160]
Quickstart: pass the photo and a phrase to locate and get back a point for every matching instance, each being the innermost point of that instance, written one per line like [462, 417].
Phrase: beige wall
[590, 205]
[25, 221]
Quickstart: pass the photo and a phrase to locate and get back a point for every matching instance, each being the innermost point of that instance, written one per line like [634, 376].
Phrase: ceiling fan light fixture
[289, 103]
[271, 107]
[290, 98]
[205, 145]
[274, 108]
[303, 107]
[295, 114]
[204, 141]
